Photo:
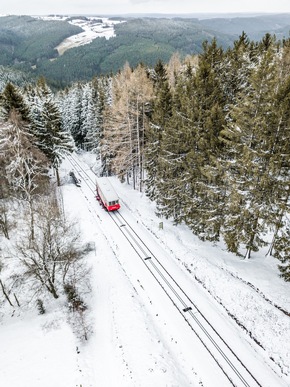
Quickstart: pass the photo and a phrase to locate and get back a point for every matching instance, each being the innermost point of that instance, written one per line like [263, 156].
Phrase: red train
[106, 194]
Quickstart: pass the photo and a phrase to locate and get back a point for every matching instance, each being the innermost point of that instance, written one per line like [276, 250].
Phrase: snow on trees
[23, 164]
[50, 266]
[251, 130]
[71, 109]
[162, 112]
[12, 99]
[207, 137]
[54, 257]
[46, 125]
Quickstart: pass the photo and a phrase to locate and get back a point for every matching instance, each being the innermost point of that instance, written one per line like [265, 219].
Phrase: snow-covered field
[137, 340]
[93, 27]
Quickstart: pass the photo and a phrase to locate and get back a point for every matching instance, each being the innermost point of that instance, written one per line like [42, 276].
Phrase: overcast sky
[101, 7]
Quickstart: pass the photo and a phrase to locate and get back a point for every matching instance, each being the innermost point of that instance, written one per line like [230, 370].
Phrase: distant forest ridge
[199, 15]
[29, 45]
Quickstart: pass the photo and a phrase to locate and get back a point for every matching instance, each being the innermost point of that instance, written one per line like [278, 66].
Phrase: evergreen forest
[29, 44]
[205, 136]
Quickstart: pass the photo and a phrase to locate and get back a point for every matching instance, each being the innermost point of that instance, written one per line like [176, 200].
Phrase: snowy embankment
[132, 345]
[250, 291]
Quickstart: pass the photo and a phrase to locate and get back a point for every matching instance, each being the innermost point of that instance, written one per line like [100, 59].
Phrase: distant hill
[29, 44]
[17, 77]
[255, 27]
[138, 40]
[25, 40]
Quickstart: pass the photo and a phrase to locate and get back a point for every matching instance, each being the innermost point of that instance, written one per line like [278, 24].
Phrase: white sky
[99, 7]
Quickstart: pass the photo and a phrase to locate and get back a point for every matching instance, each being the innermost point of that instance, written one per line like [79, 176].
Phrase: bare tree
[2, 286]
[77, 313]
[125, 122]
[4, 222]
[5, 293]
[54, 256]
[80, 324]
[173, 69]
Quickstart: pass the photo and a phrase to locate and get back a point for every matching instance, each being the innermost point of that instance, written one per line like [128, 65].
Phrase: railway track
[235, 371]
[226, 359]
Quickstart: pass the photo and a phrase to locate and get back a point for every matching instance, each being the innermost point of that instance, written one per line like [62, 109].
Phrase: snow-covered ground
[138, 338]
[93, 27]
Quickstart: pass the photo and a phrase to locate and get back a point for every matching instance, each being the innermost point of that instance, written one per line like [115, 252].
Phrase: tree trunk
[252, 237]
[248, 253]
[5, 294]
[4, 225]
[57, 177]
[279, 223]
[52, 289]
[31, 220]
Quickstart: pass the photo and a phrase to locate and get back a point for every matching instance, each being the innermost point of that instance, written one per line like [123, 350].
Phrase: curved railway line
[235, 371]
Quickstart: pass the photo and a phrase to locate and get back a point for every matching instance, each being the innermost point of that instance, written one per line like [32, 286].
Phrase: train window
[113, 202]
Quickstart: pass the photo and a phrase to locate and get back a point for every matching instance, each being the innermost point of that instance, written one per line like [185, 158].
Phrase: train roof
[107, 189]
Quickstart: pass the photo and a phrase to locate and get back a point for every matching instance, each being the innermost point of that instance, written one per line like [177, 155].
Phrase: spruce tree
[282, 250]
[23, 164]
[54, 141]
[12, 100]
[173, 149]
[88, 114]
[71, 112]
[280, 170]
[247, 137]
[162, 112]
[47, 126]
[238, 64]
[205, 109]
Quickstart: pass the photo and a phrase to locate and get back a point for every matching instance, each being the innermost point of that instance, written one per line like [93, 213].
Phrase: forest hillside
[29, 44]
[206, 137]
[203, 139]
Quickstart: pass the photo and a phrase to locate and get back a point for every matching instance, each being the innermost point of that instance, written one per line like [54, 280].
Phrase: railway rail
[229, 362]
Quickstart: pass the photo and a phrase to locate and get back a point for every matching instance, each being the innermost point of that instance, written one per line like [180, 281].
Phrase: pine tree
[282, 250]
[101, 98]
[23, 164]
[174, 147]
[249, 135]
[54, 141]
[162, 112]
[71, 111]
[204, 213]
[177, 144]
[189, 172]
[279, 163]
[12, 100]
[238, 64]
[47, 125]
[88, 114]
